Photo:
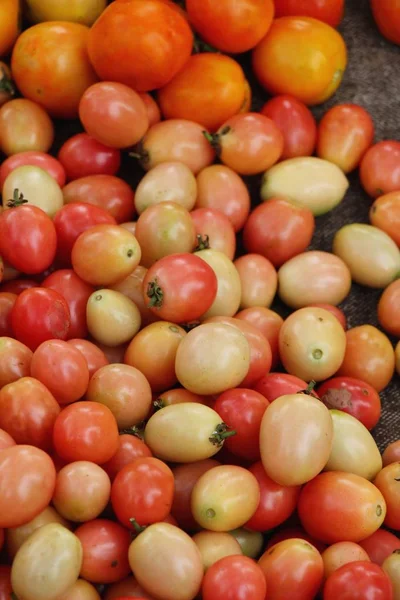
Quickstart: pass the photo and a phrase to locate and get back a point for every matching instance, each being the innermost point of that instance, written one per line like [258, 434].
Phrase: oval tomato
[380, 545]
[236, 578]
[24, 126]
[82, 156]
[379, 168]
[385, 214]
[358, 580]
[386, 16]
[38, 159]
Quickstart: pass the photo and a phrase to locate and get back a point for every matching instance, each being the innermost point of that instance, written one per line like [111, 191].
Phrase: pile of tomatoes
[164, 433]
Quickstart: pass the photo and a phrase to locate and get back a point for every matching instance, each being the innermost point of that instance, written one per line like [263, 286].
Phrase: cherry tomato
[24, 126]
[36, 186]
[259, 280]
[215, 545]
[9, 25]
[296, 123]
[7, 301]
[86, 431]
[268, 323]
[284, 61]
[275, 385]
[391, 453]
[342, 553]
[380, 545]
[385, 214]
[112, 318]
[81, 156]
[38, 315]
[131, 56]
[15, 360]
[379, 168]
[358, 580]
[94, 357]
[214, 230]
[387, 19]
[387, 481]
[234, 578]
[129, 449]
[329, 11]
[39, 159]
[169, 181]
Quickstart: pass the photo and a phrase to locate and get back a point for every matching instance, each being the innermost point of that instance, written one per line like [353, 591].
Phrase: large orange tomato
[303, 57]
[51, 66]
[329, 11]
[141, 44]
[209, 90]
[9, 24]
[387, 17]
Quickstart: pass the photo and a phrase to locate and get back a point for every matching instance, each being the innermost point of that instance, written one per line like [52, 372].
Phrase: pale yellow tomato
[37, 186]
[295, 439]
[229, 291]
[391, 566]
[214, 545]
[112, 318]
[81, 590]
[78, 11]
[340, 554]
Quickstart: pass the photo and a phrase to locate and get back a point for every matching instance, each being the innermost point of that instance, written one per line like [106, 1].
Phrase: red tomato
[242, 410]
[387, 481]
[130, 448]
[357, 581]
[94, 357]
[277, 502]
[386, 15]
[86, 431]
[214, 230]
[180, 288]
[380, 545]
[329, 11]
[28, 238]
[15, 360]
[81, 155]
[391, 453]
[5, 582]
[278, 230]
[38, 159]
[389, 309]
[6, 441]
[105, 548]
[7, 301]
[385, 214]
[334, 310]
[16, 286]
[274, 385]
[27, 480]
[28, 412]
[38, 315]
[234, 578]
[268, 323]
[143, 490]
[353, 396]
[152, 47]
[72, 220]
[296, 122]
[380, 169]
[295, 532]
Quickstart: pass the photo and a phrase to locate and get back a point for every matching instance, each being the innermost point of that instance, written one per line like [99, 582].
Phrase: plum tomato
[259, 280]
[214, 230]
[387, 481]
[379, 168]
[274, 385]
[81, 156]
[356, 580]
[25, 126]
[234, 578]
[169, 181]
[35, 186]
[385, 214]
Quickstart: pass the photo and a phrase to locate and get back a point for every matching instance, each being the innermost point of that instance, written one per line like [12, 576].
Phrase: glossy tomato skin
[268, 322]
[385, 214]
[379, 168]
[129, 55]
[386, 16]
[5, 582]
[353, 396]
[234, 578]
[129, 449]
[329, 11]
[296, 123]
[357, 581]
[387, 482]
[274, 385]
[7, 301]
[380, 545]
[28, 239]
[95, 358]
[38, 315]
[81, 155]
[31, 157]
[9, 25]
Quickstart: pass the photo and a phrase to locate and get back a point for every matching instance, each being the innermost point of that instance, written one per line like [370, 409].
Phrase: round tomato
[38, 159]
[386, 16]
[112, 318]
[82, 156]
[24, 126]
[379, 168]
[329, 11]
[234, 578]
[358, 580]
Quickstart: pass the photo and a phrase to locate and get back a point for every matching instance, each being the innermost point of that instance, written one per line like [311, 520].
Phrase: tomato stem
[214, 139]
[200, 45]
[140, 154]
[6, 84]
[309, 389]
[221, 433]
[138, 528]
[13, 596]
[159, 404]
[136, 430]
[17, 199]
[155, 293]
[203, 242]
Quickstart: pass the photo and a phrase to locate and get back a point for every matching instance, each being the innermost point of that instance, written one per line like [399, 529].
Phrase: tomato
[9, 25]
[24, 126]
[284, 61]
[391, 568]
[132, 287]
[391, 453]
[81, 590]
[292, 568]
[180, 396]
[337, 506]
[289, 231]
[388, 309]
[167, 182]
[112, 318]
[297, 532]
[259, 280]
[129, 449]
[268, 323]
[342, 553]
[7, 301]
[38, 315]
[214, 230]
[35, 186]
[131, 56]
[143, 491]
[215, 545]
[6, 441]
[83, 11]
[38, 159]
[329, 11]
[242, 410]
[334, 310]
[94, 357]
[387, 481]
[118, 591]
[105, 551]
[379, 168]
[380, 545]
[251, 542]
[114, 354]
[153, 110]
[15, 360]
[387, 19]
[209, 90]
[385, 214]
[86, 431]
[369, 356]
[27, 484]
[274, 385]
[234, 578]
[156, 344]
[358, 580]
[296, 123]
[82, 156]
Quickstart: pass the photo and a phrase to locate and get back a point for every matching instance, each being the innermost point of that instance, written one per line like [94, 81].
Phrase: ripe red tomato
[380, 545]
[329, 11]
[387, 18]
[274, 385]
[234, 578]
[296, 123]
[5, 582]
[95, 358]
[38, 159]
[7, 301]
[16, 286]
[353, 396]
[38, 315]
[357, 581]
[143, 490]
[28, 239]
[81, 155]
[130, 448]
[380, 168]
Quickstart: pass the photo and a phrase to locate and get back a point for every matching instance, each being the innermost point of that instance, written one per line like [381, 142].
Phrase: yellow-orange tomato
[389, 309]
[369, 356]
[340, 554]
[24, 125]
[51, 66]
[303, 57]
[385, 214]
[9, 24]
[209, 89]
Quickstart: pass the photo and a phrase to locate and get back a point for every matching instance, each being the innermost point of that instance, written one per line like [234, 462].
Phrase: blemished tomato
[338, 506]
[130, 448]
[214, 545]
[340, 554]
[389, 309]
[9, 25]
[113, 114]
[39, 159]
[345, 133]
[38, 315]
[234, 578]
[80, 11]
[94, 357]
[86, 431]
[248, 143]
[27, 483]
[274, 385]
[296, 123]
[82, 156]
[329, 11]
[379, 168]
[105, 551]
[242, 410]
[259, 280]
[387, 481]
[284, 61]
[385, 214]
[279, 230]
[214, 230]
[143, 491]
[380, 545]
[358, 580]
[369, 356]
[167, 182]
[334, 310]
[61, 70]
[24, 125]
[131, 56]
[387, 19]
[293, 569]
[391, 453]
[15, 360]
[7, 301]
[268, 322]
[209, 90]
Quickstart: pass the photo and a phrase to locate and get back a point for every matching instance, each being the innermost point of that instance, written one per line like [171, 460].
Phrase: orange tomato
[387, 17]
[145, 53]
[9, 24]
[389, 309]
[385, 214]
[50, 66]
[303, 57]
[329, 11]
[209, 90]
